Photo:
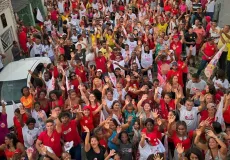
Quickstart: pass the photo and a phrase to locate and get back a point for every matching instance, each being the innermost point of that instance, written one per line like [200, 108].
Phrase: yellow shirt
[64, 17]
[95, 37]
[228, 48]
[220, 43]
[105, 53]
[162, 28]
[109, 38]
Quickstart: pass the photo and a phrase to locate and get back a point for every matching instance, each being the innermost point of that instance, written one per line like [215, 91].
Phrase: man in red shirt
[70, 133]
[51, 138]
[176, 46]
[175, 71]
[100, 61]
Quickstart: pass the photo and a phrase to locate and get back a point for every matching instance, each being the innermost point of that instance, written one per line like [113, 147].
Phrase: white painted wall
[10, 23]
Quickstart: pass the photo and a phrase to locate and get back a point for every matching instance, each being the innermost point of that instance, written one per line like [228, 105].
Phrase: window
[3, 19]
[7, 39]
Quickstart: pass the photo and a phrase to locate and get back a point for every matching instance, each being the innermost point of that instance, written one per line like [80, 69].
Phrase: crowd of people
[120, 85]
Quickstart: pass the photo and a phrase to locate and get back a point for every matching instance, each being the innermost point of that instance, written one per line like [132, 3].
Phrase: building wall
[6, 8]
[224, 15]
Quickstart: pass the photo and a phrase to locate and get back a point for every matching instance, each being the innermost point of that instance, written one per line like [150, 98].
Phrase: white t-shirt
[196, 87]
[61, 6]
[48, 50]
[29, 136]
[190, 117]
[74, 38]
[214, 34]
[39, 122]
[132, 45]
[116, 94]
[48, 25]
[210, 6]
[36, 50]
[125, 53]
[146, 59]
[224, 83]
[148, 149]
[82, 13]
[132, 16]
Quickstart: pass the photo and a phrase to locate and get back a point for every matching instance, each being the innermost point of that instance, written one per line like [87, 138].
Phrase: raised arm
[87, 145]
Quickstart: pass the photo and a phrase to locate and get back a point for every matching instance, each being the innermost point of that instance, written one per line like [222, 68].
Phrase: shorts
[193, 50]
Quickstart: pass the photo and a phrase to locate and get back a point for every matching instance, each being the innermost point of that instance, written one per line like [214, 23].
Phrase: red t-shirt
[103, 143]
[153, 135]
[23, 40]
[60, 102]
[101, 63]
[178, 50]
[227, 115]
[53, 141]
[180, 64]
[164, 109]
[75, 84]
[87, 121]
[209, 50]
[186, 143]
[54, 15]
[177, 73]
[81, 73]
[70, 133]
[204, 116]
[18, 127]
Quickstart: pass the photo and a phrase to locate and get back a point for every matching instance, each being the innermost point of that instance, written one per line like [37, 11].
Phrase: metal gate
[26, 16]
[38, 4]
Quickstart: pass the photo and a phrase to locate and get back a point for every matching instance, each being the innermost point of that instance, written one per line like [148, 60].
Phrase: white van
[13, 77]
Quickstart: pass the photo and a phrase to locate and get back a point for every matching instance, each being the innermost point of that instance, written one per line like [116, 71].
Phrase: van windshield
[11, 90]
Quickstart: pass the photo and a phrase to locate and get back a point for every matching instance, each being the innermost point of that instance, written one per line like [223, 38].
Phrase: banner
[208, 71]
[113, 78]
[219, 114]
[39, 16]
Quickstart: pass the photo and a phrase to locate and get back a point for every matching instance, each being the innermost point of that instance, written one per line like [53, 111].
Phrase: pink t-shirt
[183, 8]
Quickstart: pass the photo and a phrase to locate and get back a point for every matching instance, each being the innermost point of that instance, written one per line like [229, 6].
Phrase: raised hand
[155, 113]
[112, 152]
[157, 157]
[144, 97]
[127, 78]
[198, 132]
[180, 148]
[211, 134]
[86, 129]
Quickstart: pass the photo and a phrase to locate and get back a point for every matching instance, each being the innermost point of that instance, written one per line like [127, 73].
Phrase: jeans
[222, 61]
[75, 152]
[203, 64]
[210, 14]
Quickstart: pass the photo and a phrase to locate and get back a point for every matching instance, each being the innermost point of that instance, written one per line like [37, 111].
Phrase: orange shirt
[27, 101]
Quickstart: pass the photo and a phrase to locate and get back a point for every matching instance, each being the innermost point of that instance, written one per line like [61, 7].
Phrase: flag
[161, 79]
[67, 83]
[14, 105]
[219, 113]
[102, 116]
[113, 79]
[208, 71]
[150, 75]
[39, 16]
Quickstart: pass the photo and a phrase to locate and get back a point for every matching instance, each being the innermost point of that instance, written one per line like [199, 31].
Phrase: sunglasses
[72, 76]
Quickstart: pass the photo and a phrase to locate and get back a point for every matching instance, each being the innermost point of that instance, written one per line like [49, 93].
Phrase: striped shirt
[196, 6]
